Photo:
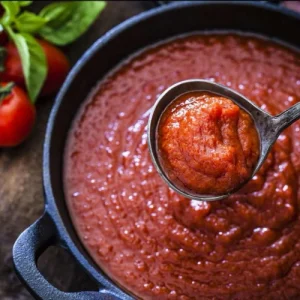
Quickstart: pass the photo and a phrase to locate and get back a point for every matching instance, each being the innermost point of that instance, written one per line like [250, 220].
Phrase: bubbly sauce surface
[154, 242]
[207, 144]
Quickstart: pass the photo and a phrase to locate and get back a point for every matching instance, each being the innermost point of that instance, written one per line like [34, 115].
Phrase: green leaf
[11, 9]
[69, 26]
[29, 22]
[57, 13]
[2, 58]
[24, 3]
[33, 60]
[6, 90]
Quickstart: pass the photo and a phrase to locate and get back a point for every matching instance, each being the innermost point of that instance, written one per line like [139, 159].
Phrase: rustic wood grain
[21, 194]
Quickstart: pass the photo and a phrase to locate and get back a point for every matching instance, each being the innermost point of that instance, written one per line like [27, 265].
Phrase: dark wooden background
[21, 194]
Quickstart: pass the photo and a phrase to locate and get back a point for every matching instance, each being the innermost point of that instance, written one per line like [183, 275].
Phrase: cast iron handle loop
[26, 251]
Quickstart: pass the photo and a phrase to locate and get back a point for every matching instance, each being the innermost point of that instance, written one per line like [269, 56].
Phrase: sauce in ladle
[207, 143]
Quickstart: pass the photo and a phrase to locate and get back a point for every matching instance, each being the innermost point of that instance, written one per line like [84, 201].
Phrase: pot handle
[26, 251]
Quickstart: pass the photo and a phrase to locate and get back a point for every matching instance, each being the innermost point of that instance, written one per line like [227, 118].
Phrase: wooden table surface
[21, 193]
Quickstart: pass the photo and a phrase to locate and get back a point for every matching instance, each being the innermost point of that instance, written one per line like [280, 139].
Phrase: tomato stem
[5, 90]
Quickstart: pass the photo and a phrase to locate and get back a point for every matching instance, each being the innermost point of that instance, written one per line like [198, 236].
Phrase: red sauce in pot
[149, 239]
[207, 144]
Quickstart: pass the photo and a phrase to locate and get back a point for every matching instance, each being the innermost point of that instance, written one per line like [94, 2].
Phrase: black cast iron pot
[55, 226]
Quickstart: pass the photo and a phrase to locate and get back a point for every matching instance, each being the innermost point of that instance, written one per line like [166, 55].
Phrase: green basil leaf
[83, 15]
[57, 13]
[29, 22]
[11, 9]
[24, 3]
[33, 60]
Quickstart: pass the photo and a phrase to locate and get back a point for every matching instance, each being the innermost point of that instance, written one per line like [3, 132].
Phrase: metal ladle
[268, 127]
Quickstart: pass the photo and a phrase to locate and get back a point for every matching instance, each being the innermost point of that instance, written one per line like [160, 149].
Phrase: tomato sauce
[207, 144]
[147, 238]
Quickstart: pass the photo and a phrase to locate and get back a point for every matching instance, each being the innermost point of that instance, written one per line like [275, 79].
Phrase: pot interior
[129, 37]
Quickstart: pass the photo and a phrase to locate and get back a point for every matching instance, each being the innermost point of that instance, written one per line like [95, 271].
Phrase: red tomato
[58, 67]
[12, 66]
[17, 116]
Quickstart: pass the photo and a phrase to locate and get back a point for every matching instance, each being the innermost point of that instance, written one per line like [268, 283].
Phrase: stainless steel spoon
[268, 127]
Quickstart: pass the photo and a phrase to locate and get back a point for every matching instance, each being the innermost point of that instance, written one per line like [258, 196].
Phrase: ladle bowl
[268, 127]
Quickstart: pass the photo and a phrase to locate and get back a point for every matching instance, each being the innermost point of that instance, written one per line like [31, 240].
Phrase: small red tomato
[12, 66]
[58, 67]
[17, 115]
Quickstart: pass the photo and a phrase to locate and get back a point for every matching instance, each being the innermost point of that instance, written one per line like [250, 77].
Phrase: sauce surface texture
[207, 144]
[150, 240]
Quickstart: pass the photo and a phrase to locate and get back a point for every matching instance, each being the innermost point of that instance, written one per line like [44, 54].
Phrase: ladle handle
[270, 128]
[287, 118]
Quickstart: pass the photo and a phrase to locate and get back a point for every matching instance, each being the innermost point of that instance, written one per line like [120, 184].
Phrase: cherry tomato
[58, 67]
[12, 66]
[17, 116]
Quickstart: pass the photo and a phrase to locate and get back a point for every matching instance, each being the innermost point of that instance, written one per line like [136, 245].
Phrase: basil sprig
[60, 23]
[34, 63]
[67, 21]
[29, 22]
